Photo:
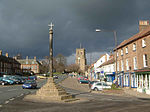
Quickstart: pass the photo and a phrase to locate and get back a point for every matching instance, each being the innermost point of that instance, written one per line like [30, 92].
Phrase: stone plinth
[49, 92]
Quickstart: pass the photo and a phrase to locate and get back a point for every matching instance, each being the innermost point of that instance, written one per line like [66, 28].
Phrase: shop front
[126, 79]
[133, 80]
[110, 77]
[120, 79]
[143, 81]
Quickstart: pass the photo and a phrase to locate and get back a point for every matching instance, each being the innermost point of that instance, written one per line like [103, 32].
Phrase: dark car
[29, 84]
[3, 82]
[32, 78]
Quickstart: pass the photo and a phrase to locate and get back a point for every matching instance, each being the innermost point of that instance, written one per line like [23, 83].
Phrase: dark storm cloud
[24, 24]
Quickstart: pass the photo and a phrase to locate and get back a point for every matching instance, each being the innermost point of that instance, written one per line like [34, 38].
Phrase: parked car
[83, 81]
[32, 78]
[3, 82]
[55, 77]
[29, 84]
[8, 80]
[41, 77]
[92, 82]
[98, 86]
[82, 78]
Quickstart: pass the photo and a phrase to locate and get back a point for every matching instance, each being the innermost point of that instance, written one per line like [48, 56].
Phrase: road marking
[0, 106]
[6, 102]
[20, 95]
[11, 99]
[12, 90]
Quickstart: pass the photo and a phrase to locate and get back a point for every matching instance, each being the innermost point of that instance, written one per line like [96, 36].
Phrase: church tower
[81, 58]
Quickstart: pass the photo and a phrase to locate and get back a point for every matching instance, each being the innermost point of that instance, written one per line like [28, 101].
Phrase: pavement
[133, 92]
[126, 92]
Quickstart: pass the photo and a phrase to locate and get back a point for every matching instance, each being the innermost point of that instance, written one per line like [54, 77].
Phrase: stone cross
[51, 26]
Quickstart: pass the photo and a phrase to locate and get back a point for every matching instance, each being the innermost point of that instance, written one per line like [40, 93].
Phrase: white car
[98, 86]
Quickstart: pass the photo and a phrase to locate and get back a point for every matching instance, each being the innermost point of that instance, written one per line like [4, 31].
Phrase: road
[89, 102]
[11, 92]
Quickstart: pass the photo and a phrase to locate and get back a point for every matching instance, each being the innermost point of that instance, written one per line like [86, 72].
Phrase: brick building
[8, 65]
[28, 65]
[133, 59]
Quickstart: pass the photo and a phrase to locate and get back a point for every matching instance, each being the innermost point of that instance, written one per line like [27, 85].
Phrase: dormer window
[134, 47]
[121, 52]
[143, 43]
[126, 50]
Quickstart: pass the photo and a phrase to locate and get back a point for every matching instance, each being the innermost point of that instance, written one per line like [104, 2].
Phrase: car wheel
[80, 82]
[95, 89]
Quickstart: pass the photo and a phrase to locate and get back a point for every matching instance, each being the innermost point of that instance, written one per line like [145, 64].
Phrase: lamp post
[115, 38]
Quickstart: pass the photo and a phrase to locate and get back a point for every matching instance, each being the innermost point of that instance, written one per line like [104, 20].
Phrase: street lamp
[115, 38]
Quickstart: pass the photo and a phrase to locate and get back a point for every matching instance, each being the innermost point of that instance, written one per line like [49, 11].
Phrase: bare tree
[73, 68]
[59, 63]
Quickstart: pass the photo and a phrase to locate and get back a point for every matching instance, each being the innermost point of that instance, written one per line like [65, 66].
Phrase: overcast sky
[24, 25]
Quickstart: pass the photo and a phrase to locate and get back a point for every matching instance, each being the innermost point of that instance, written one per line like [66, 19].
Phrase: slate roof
[111, 61]
[134, 38]
[30, 61]
[8, 59]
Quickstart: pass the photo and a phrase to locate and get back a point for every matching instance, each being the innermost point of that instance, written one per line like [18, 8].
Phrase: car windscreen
[99, 84]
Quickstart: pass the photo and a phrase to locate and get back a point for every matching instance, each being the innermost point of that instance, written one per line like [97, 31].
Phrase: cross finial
[51, 26]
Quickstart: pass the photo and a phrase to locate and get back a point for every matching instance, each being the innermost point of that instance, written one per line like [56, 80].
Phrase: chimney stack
[0, 52]
[6, 54]
[15, 57]
[26, 57]
[34, 58]
[143, 24]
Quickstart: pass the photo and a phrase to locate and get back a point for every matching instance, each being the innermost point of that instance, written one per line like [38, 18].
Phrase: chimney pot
[0, 52]
[26, 57]
[35, 58]
[6, 54]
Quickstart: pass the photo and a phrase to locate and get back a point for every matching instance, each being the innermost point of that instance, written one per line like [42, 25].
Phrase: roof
[134, 38]
[30, 61]
[92, 65]
[111, 61]
[8, 59]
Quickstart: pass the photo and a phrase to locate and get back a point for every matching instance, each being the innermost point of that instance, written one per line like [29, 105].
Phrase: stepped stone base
[50, 92]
